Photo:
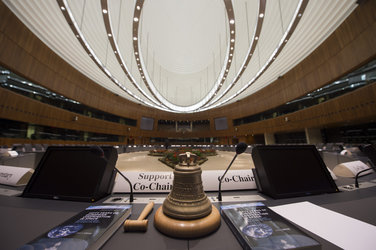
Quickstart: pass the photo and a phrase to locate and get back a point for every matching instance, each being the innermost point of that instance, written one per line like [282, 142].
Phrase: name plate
[161, 182]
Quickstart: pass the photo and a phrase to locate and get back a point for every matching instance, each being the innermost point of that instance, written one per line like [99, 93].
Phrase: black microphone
[370, 151]
[364, 170]
[240, 148]
[130, 184]
[99, 152]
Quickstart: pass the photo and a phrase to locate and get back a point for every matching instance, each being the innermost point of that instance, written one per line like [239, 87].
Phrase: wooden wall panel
[355, 107]
[350, 46]
[20, 108]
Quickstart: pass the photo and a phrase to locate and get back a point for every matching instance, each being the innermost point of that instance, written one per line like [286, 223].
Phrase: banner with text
[161, 182]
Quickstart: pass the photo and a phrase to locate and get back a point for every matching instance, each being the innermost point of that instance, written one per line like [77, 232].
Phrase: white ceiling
[183, 47]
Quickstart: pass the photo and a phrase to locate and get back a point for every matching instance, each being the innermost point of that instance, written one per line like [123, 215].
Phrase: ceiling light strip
[224, 71]
[64, 7]
[290, 30]
[112, 39]
[250, 53]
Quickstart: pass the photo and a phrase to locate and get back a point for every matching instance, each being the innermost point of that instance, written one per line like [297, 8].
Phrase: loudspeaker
[79, 173]
[291, 170]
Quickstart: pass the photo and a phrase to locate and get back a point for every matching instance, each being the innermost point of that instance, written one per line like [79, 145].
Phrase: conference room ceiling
[182, 55]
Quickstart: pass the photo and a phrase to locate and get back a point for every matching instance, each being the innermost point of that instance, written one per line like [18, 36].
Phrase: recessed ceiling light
[256, 38]
[136, 53]
[77, 36]
[135, 19]
[229, 60]
[138, 7]
[109, 35]
[300, 14]
[104, 11]
[135, 38]
[261, 15]
[232, 31]
[232, 21]
[115, 52]
[232, 40]
[62, 8]
[231, 48]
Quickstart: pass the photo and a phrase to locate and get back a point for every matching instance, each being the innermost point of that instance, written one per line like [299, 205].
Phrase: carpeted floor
[140, 161]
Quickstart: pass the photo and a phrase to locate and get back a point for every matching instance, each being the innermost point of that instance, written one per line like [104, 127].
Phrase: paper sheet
[14, 176]
[341, 230]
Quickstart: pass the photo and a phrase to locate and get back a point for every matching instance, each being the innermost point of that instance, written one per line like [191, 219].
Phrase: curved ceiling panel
[182, 56]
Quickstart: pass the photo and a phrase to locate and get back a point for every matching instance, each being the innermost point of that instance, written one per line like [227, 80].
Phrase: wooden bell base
[187, 228]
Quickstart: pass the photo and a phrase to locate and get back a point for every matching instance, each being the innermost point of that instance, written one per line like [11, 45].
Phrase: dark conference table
[23, 219]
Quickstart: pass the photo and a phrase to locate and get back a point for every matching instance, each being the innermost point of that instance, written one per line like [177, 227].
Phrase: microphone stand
[220, 181]
[130, 185]
[364, 170]
[240, 148]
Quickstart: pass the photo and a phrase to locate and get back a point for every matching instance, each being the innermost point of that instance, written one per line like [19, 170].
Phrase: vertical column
[269, 138]
[30, 134]
[313, 135]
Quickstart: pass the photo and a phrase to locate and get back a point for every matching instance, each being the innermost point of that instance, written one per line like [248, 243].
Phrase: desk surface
[23, 219]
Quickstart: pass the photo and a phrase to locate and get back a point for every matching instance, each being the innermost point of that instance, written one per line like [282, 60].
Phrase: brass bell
[187, 199]
[187, 212]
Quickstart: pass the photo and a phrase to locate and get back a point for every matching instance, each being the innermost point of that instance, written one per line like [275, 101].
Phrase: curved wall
[350, 46]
